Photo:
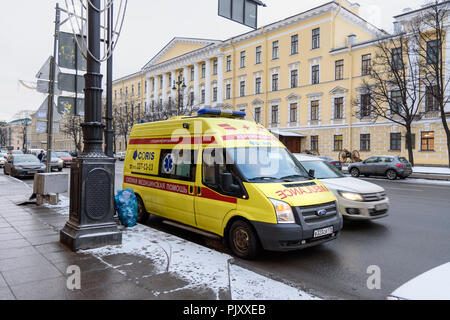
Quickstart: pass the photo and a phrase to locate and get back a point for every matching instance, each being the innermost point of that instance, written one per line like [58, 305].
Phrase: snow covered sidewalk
[432, 170]
[195, 267]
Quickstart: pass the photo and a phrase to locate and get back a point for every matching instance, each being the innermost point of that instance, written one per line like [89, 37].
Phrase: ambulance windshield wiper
[263, 178]
[294, 176]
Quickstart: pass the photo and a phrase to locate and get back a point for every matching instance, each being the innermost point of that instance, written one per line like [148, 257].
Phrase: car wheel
[143, 215]
[243, 240]
[60, 169]
[355, 172]
[391, 174]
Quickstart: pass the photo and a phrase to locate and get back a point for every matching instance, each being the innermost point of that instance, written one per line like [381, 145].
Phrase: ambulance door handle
[191, 189]
[199, 191]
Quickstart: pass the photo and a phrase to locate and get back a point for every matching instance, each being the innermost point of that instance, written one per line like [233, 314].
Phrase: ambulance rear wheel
[243, 240]
[143, 215]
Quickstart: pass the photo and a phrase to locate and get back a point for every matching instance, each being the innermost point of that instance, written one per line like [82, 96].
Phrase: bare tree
[72, 127]
[392, 89]
[430, 30]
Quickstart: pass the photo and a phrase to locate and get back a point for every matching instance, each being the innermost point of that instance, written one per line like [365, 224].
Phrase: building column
[186, 91]
[164, 88]
[196, 85]
[156, 91]
[173, 93]
[208, 83]
[147, 93]
[220, 81]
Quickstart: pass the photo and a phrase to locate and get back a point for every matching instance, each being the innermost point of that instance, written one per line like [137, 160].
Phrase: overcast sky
[26, 34]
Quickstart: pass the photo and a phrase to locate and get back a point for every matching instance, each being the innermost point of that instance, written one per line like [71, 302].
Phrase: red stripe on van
[159, 185]
[248, 137]
[177, 140]
[209, 194]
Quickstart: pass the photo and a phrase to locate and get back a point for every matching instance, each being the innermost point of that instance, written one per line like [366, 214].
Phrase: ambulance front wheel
[243, 240]
[143, 215]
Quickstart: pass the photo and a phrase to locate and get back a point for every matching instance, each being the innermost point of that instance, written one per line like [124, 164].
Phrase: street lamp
[180, 86]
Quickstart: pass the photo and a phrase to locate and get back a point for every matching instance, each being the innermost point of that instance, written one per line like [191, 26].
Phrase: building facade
[299, 77]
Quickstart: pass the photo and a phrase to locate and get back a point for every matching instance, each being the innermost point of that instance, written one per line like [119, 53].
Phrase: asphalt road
[411, 240]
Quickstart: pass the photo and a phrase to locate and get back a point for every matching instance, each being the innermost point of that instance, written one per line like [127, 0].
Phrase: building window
[242, 59]
[258, 54]
[339, 108]
[294, 78]
[315, 76]
[314, 143]
[203, 71]
[215, 67]
[315, 110]
[339, 70]
[202, 101]
[139, 89]
[365, 110]
[293, 113]
[366, 64]
[275, 82]
[228, 91]
[431, 103]
[274, 114]
[214, 94]
[192, 98]
[294, 44]
[169, 84]
[397, 59]
[126, 92]
[396, 141]
[413, 142]
[396, 102]
[316, 38]
[160, 82]
[364, 142]
[433, 52]
[228, 63]
[275, 50]
[258, 115]
[258, 85]
[132, 90]
[427, 141]
[242, 89]
[338, 142]
[192, 73]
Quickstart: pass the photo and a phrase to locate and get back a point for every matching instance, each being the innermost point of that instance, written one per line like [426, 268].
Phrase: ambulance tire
[143, 215]
[243, 240]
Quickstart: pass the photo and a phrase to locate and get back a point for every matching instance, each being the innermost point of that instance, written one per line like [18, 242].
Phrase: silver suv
[389, 166]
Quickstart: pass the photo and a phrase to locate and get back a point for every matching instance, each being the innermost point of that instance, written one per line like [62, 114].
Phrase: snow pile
[199, 266]
[431, 170]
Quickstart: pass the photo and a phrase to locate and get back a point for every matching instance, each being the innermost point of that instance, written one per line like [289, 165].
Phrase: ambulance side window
[177, 164]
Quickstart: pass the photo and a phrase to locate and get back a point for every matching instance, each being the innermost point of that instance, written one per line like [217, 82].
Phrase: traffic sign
[69, 56]
[242, 11]
[66, 106]
[66, 82]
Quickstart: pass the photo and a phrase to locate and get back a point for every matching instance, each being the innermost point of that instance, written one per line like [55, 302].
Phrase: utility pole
[51, 91]
[91, 223]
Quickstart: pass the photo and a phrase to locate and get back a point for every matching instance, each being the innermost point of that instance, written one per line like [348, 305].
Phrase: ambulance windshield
[266, 164]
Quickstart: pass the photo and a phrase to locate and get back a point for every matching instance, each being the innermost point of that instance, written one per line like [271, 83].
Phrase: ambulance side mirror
[227, 183]
[312, 173]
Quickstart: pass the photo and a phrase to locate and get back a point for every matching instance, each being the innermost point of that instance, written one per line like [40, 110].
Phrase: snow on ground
[199, 266]
[434, 170]
[62, 207]
[426, 181]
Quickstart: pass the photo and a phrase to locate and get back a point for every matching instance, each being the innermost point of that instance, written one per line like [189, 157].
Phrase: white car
[2, 159]
[431, 285]
[357, 199]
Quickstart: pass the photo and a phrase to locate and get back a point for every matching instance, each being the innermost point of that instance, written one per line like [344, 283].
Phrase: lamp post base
[90, 237]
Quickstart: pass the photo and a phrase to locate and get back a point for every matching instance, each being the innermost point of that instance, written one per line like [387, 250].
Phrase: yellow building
[298, 77]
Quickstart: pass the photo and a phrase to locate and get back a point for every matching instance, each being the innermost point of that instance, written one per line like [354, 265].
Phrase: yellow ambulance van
[220, 175]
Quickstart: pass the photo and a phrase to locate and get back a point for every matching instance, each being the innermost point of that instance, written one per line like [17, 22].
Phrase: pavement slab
[22, 275]
[48, 289]
[6, 294]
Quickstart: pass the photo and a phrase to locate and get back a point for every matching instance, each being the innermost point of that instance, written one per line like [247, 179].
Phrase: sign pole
[109, 77]
[51, 91]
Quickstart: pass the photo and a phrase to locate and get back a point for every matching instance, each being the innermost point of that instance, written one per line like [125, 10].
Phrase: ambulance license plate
[323, 232]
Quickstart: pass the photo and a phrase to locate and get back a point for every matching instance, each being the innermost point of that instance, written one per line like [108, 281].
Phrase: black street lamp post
[179, 86]
[91, 222]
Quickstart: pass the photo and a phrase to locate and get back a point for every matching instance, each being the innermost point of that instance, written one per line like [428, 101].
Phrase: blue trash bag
[127, 207]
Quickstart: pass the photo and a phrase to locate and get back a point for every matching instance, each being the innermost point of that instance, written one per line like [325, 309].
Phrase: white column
[173, 93]
[196, 85]
[147, 93]
[164, 88]
[220, 80]
[186, 90]
[156, 93]
[208, 83]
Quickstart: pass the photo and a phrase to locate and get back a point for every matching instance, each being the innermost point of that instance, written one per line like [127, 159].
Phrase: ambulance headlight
[283, 211]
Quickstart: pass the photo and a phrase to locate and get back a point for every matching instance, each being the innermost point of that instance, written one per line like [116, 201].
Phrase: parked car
[332, 161]
[55, 163]
[392, 167]
[357, 199]
[23, 165]
[431, 285]
[120, 156]
[65, 157]
[3, 157]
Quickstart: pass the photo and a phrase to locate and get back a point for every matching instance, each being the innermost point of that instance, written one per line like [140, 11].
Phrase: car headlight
[351, 196]
[283, 211]
[60, 161]
[19, 167]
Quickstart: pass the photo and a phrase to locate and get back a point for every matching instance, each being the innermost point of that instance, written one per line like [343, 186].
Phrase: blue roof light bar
[221, 113]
